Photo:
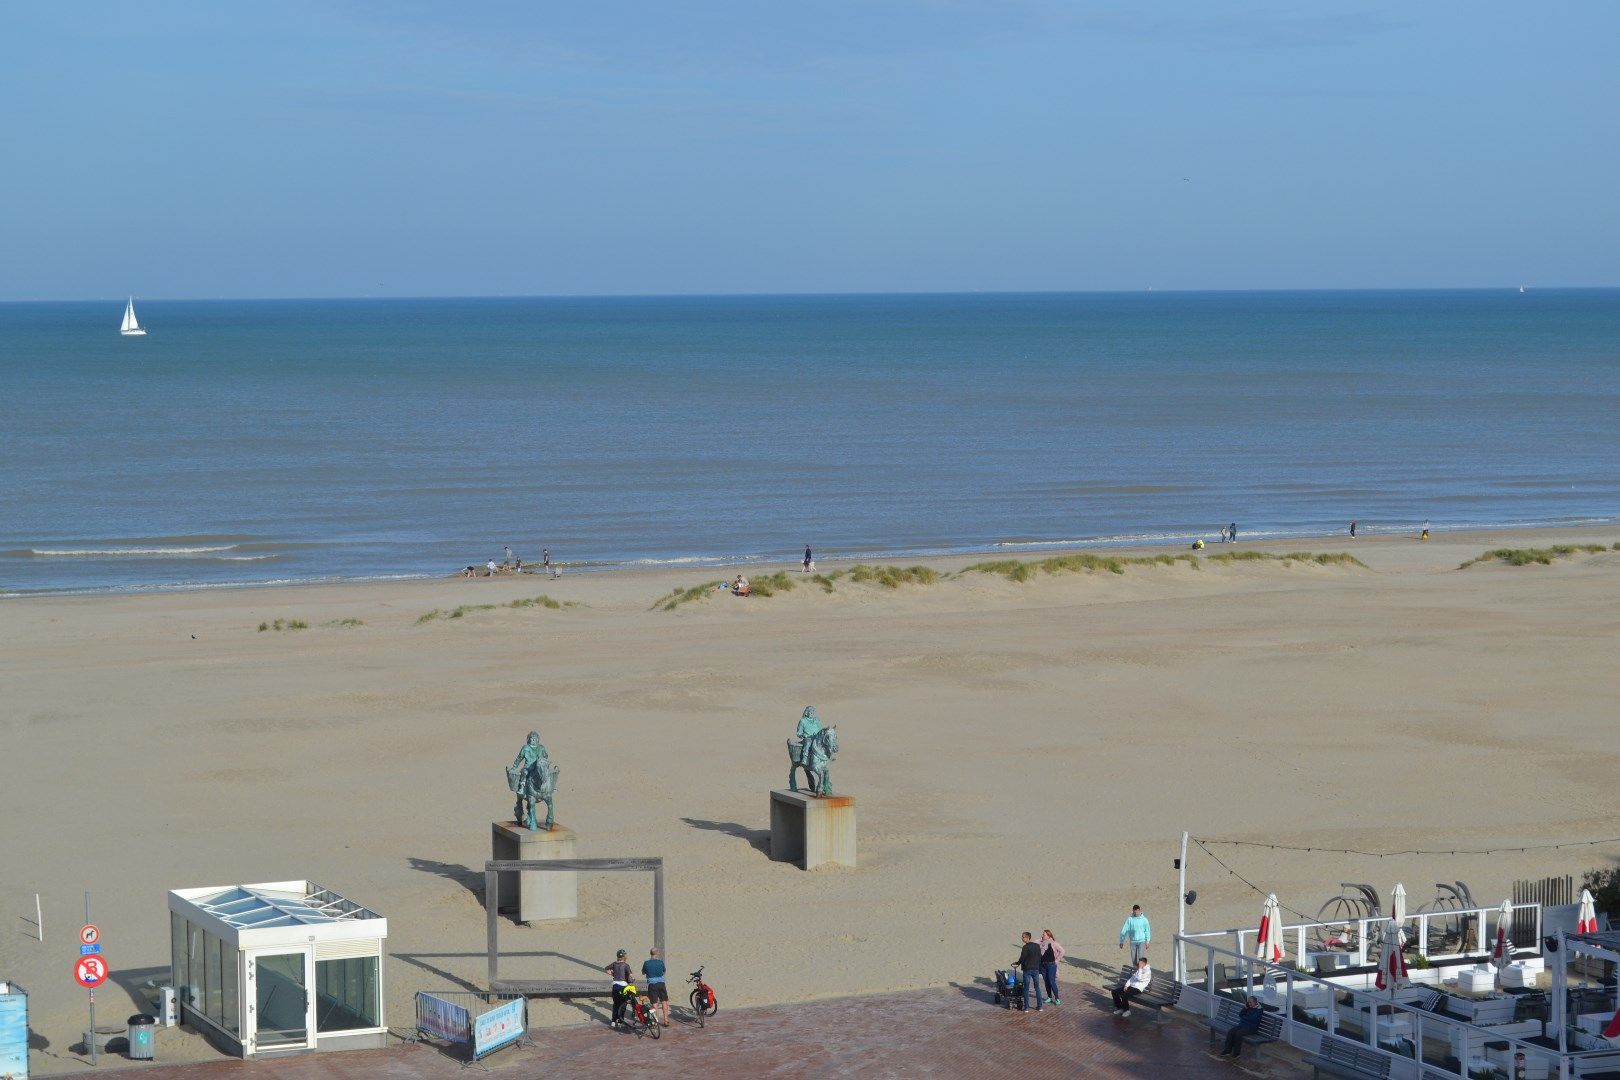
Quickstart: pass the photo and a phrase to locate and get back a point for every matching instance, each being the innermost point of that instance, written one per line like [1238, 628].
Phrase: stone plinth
[811, 830]
[536, 894]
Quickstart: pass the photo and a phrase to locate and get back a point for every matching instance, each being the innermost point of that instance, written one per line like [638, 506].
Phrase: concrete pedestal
[536, 894]
[812, 831]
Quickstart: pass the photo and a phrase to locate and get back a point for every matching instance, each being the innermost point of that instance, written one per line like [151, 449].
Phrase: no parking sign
[90, 971]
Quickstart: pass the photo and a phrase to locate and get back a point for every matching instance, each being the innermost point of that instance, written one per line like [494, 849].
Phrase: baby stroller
[1009, 988]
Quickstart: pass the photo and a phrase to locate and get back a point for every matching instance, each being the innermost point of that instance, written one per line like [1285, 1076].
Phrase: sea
[254, 442]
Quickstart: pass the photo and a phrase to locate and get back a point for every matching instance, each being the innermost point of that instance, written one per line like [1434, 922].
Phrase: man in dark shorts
[619, 970]
[652, 973]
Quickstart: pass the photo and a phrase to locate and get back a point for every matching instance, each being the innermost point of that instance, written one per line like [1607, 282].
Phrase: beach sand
[1023, 755]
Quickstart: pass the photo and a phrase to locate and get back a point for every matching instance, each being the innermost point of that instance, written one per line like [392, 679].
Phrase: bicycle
[638, 1013]
[704, 1003]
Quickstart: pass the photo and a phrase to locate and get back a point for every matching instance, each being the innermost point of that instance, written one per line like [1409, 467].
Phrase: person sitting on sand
[740, 586]
[1198, 544]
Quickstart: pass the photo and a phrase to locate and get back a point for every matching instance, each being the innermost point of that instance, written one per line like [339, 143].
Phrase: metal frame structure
[494, 868]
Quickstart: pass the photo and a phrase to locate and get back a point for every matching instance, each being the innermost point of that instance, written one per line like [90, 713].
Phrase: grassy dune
[1539, 556]
[526, 602]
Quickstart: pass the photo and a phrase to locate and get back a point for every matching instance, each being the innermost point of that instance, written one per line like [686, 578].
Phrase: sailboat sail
[130, 325]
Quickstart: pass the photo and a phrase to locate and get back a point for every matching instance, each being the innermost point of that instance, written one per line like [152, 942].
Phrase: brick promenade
[944, 1032]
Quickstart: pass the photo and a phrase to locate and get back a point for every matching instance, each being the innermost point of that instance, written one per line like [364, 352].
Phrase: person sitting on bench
[1248, 1023]
[1132, 987]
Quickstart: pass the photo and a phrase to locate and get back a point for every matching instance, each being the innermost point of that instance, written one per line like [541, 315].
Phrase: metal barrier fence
[481, 1021]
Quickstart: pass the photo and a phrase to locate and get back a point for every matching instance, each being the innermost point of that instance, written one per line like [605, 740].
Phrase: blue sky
[340, 149]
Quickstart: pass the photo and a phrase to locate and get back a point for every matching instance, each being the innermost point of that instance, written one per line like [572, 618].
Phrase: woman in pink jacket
[1051, 953]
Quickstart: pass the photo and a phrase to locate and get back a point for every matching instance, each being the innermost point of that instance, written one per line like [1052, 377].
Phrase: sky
[430, 149]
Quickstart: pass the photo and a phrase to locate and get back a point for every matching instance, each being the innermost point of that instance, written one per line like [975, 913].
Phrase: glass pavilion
[279, 966]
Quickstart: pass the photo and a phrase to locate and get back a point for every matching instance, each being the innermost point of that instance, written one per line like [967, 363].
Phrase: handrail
[1365, 936]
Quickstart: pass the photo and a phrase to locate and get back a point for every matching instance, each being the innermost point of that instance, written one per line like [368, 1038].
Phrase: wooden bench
[1341, 1057]
[1162, 993]
[1226, 1018]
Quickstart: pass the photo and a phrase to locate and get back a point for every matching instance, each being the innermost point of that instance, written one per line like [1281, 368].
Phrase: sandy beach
[1024, 754]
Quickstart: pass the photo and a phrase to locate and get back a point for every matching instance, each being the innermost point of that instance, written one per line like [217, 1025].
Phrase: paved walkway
[944, 1032]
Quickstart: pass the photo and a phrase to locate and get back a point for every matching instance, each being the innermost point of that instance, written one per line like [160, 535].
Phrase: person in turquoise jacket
[1138, 932]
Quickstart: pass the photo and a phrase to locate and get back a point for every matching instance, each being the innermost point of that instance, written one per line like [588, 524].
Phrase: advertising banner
[442, 1019]
[501, 1025]
[13, 1031]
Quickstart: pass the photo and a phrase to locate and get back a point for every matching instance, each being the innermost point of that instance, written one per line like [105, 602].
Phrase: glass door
[278, 988]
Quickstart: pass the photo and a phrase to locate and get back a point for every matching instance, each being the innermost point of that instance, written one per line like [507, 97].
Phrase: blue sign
[501, 1025]
[14, 1033]
[89, 950]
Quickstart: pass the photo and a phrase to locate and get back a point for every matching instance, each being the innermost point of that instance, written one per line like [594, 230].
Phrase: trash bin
[141, 1029]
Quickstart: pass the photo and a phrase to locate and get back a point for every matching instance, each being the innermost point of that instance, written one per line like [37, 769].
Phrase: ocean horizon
[248, 442]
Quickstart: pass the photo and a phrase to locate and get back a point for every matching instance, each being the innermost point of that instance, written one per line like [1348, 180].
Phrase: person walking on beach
[508, 561]
[1352, 530]
[1223, 534]
[545, 561]
[1231, 532]
[619, 971]
[1248, 1023]
[1029, 964]
[1134, 986]
[1138, 931]
[1425, 535]
[1051, 953]
[652, 970]
[809, 559]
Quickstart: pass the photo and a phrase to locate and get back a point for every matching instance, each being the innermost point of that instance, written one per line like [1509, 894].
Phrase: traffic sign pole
[88, 924]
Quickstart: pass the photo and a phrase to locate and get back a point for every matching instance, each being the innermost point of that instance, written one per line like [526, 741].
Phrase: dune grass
[526, 602]
[1079, 563]
[1539, 556]
[344, 622]
[770, 584]
[284, 624]
[892, 577]
[673, 600]
[1086, 563]
[1326, 558]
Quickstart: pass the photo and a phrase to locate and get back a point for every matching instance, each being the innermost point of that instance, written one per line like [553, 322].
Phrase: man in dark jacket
[1248, 1024]
[1029, 964]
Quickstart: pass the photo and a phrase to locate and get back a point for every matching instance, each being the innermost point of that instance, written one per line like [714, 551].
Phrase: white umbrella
[1503, 951]
[1586, 921]
[1269, 943]
[1391, 964]
[1397, 900]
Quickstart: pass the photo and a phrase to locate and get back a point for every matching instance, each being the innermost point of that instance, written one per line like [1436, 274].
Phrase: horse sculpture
[814, 755]
[533, 779]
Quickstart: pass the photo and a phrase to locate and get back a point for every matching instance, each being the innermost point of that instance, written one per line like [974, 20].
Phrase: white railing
[1418, 1042]
[1365, 935]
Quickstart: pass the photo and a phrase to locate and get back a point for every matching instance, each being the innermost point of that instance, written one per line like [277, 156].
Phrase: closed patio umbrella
[1391, 963]
[1269, 943]
[1586, 921]
[1397, 902]
[1504, 950]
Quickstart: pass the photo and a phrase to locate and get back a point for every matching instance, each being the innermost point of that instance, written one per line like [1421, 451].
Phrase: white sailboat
[131, 326]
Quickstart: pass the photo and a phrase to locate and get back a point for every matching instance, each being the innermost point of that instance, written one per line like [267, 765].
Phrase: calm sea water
[258, 441]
